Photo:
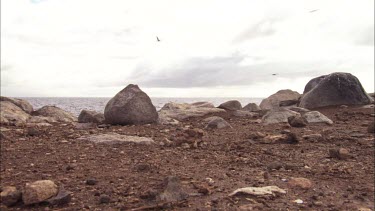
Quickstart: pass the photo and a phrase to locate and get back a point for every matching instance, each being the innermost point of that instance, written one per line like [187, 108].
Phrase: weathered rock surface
[273, 101]
[298, 109]
[130, 106]
[114, 138]
[11, 114]
[278, 116]
[38, 191]
[22, 104]
[41, 119]
[203, 104]
[183, 111]
[340, 153]
[288, 138]
[62, 197]
[251, 107]
[87, 116]
[231, 105]
[9, 196]
[316, 117]
[334, 89]
[55, 112]
[217, 123]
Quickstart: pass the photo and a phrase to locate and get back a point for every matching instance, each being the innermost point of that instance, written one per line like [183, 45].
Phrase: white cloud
[93, 48]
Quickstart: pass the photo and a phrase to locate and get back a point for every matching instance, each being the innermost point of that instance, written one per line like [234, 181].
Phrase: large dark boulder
[334, 89]
[87, 116]
[130, 106]
[231, 105]
[312, 83]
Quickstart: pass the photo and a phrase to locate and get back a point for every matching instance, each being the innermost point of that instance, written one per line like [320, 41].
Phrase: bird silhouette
[313, 11]
[274, 74]
[157, 39]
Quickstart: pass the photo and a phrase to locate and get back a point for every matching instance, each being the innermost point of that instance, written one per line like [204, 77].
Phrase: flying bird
[157, 39]
[313, 11]
[274, 74]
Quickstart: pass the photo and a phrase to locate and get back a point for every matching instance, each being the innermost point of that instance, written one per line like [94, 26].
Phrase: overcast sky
[208, 48]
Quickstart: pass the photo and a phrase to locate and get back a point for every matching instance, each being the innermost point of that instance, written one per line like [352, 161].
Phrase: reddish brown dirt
[232, 158]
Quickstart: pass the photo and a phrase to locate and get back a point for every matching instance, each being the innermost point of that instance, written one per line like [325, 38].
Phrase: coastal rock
[41, 119]
[279, 99]
[231, 105]
[335, 89]
[278, 116]
[164, 120]
[340, 153]
[183, 111]
[251, 107]
[38, 191]
[217, 123]
[317, 117]
[130, 106]
[203, 104]
[87, 116]
[115, 138]
[313, 137]
[22, 104]
[55, 112]
[12, 115]
[62, 197]
[297, 121]
[288, 138]
[9, 196]
[241, 113]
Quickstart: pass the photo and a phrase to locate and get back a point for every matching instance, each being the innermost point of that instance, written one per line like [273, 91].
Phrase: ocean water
[76, 104]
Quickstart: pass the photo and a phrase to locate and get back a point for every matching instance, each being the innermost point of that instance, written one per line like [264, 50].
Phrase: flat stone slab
[114, 138]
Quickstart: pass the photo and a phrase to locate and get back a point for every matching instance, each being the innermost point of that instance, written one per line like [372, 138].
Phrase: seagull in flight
[313, 11]
[157, 39]
[274, 74]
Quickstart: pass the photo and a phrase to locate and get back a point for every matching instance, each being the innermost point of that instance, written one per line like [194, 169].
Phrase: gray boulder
[251, 107]
[334, 89]
[278, 116]
[183, 111]
[87, 116]
[217, 123]
[55, 112]
[281, 98]
[130, 106]
[12, 115]
[231, 105]
[317, 117]
[203, 104]
[22, 104]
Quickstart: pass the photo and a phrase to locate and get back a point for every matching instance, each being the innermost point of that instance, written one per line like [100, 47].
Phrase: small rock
[341, 153]
[91, 181]
[104, 199]
[297, 121]
[62, 197]
[298, 201]
[10, 196]
[343, 106]
[289, 138]
[195, 133]
[218, 123]
[300, 182]
[31, 131]
[275, 166]
[38, 191]
[185, 146]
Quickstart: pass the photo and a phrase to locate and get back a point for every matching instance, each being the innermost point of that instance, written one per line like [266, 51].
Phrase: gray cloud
[263, 28]
[221, 71]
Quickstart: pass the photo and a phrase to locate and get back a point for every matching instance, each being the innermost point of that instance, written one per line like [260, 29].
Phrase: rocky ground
[193, 168]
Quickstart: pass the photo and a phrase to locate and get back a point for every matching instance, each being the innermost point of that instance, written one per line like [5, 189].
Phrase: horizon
[208, 48]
